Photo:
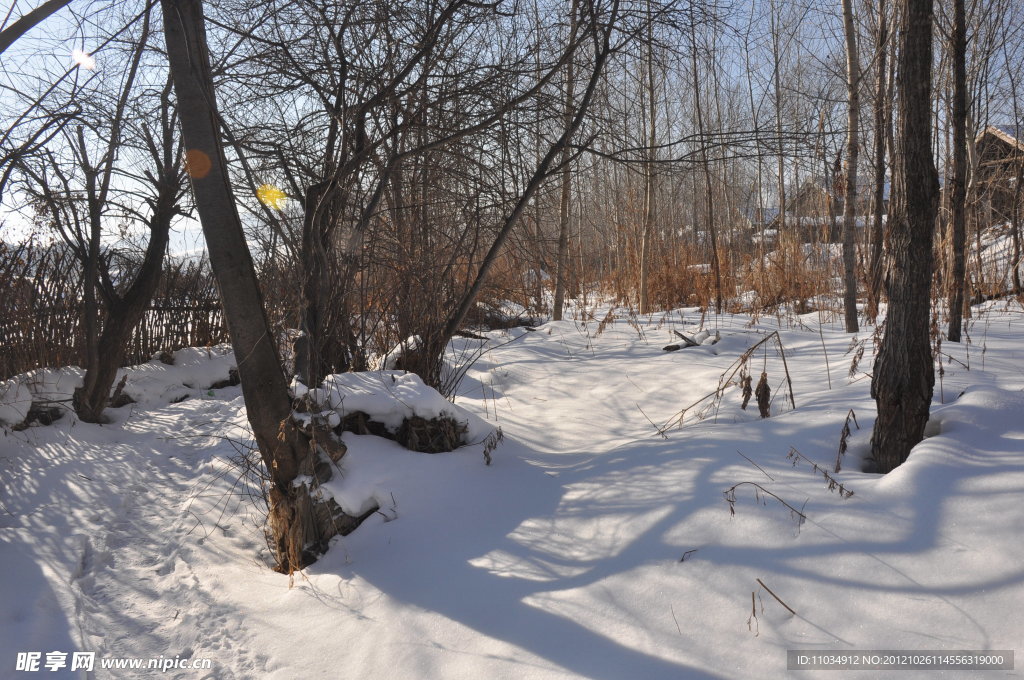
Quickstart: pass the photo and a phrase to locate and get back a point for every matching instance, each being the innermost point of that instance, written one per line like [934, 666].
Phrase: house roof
[1010, 130]
[1011, 134]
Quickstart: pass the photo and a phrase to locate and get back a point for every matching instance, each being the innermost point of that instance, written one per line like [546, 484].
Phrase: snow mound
[194, 372]
[15, 401]
[389, 398]
[47, 386]
[195, 369]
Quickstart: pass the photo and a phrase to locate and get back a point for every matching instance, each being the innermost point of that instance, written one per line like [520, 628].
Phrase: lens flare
[271, 196]
[83, 59]
[197, 163]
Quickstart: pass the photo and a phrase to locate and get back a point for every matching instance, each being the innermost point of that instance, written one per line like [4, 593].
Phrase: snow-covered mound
[48, 387]
[193, 372]
[389, 398]
[15, 400]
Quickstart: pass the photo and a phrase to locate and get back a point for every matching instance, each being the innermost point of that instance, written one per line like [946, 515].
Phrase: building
[999, 170]
[815, 210]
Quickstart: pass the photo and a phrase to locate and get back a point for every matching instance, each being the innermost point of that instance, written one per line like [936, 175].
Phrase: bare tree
[602, 27]
[958, 200]
[882, 124]
[300, 524]
[402, 156]
[709, 197]
[100, 170]
[852, 157]
[650, 167]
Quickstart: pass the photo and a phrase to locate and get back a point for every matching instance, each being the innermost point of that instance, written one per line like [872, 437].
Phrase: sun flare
[271, 196]
[83, 59]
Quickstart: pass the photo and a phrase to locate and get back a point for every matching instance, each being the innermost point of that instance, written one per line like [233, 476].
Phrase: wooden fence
[41, 310]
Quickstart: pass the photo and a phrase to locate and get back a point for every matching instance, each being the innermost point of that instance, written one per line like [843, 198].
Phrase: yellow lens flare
[271, 196]
[83, 59]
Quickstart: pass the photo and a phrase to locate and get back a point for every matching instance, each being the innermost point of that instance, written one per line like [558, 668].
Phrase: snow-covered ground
[592, 546]
[997, 257]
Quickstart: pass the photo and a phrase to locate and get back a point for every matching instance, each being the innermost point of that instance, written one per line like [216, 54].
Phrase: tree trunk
[310, 359]
[562, 257]
[781, 160]
[646, 235]
[1015, 210]
[881, 126]
[958, 276]
[299, 525]
[852, 155]
[904, 377]
[125, 312]
[647, 231]
[709, 199]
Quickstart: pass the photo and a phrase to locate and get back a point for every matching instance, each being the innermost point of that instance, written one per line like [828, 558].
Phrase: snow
[389, 398]
[996, 255]
[194, 370]
[410, 344]
[592, 547]
[15, 400]
[151, 384]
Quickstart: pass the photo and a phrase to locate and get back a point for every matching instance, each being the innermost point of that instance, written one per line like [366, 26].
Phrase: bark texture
[852, 156]
[881, 133]
[958, 205]
[904, 376]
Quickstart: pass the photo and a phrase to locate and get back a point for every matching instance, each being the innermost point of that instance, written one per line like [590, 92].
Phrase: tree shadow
[505, 547]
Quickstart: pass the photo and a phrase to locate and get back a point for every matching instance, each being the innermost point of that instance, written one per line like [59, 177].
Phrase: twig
[952, 358]
[790, 609]
[660, 431]
[833, 483]
[828, 371]
[675, 619]
[756, 465]
[843, 436]
[726, 379]
[730, 498]
[752, 619]
[785, 366]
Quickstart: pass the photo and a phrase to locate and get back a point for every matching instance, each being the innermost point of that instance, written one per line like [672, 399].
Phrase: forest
[343, 215]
